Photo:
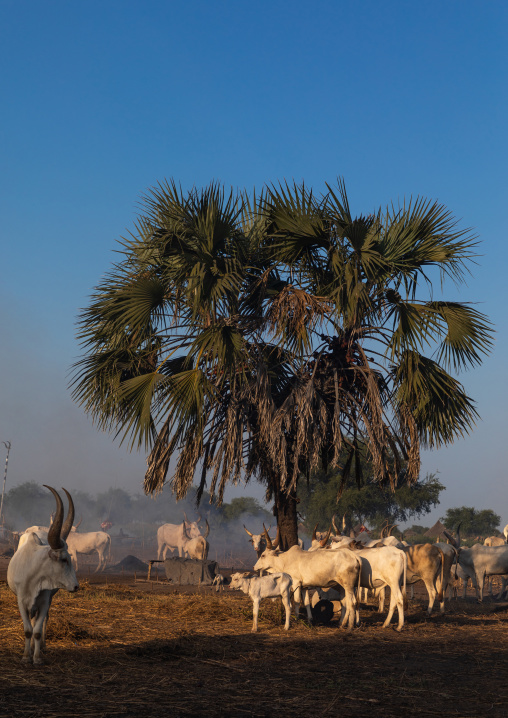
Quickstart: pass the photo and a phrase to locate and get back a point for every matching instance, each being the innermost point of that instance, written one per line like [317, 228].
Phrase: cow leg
[351, 608]
[391, 608]
[480, 578]
[43, 604]
[380, 593]
[431, 590]
[27, 626]
[306, 603]
[297, 598]
[287, 606]
[396, 601]
[489, 583]
[412, 594]
[255, 612]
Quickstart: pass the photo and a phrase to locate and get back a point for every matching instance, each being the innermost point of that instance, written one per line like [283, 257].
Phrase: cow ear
[251, 540]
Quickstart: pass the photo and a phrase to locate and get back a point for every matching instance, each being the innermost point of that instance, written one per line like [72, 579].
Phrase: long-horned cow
[174, 536]
[315, 569]
[37, 571]
[258, 541]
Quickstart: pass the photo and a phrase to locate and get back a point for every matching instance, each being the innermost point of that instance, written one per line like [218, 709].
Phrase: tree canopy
[473, 522]
[268, 335]
[371, 503]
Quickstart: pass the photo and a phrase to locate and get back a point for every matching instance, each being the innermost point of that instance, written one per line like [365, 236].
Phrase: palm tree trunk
[284, 511]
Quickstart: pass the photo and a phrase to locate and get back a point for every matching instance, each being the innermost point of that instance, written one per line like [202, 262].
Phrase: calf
[259, 587]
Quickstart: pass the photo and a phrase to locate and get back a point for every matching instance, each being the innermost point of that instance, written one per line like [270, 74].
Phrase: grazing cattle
[259, 587]
[494, 541]
[505, 533]
[174, 536]
[87, 543]
[36, 572]
[480, 561]
[197, 547]
[427, 562]
[315, 569]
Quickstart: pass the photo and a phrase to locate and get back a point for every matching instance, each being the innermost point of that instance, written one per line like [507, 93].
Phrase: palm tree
[266, 336]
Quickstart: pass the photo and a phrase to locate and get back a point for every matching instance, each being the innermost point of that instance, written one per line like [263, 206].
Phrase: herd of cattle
[337, 568]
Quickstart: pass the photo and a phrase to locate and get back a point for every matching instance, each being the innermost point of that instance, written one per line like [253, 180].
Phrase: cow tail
[404, 594]
[359, 580]
[440, 594]
[109, 548]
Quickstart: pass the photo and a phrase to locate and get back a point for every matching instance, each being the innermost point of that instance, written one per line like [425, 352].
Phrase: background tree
[473, 523]
[267, 336]
[370, 504]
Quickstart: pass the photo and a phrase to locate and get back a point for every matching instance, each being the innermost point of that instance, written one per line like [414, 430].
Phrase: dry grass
[122, 651]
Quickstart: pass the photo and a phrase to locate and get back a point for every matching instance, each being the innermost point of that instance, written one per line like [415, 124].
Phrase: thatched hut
[436, 531]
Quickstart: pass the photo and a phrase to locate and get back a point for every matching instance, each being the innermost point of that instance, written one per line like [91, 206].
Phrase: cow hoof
[26, 659]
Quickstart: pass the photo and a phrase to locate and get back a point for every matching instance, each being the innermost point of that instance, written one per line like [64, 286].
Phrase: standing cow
[197, 547]
[37, 571]
[87, 543]
[174, 536]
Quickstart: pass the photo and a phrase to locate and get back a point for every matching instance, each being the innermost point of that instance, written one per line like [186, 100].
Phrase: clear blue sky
[100, 100]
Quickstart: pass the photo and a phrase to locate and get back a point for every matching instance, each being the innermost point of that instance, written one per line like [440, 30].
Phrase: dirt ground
[126, 647]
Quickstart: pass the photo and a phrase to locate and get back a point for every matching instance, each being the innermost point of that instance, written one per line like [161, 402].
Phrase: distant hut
[410, 534]
[436, 531]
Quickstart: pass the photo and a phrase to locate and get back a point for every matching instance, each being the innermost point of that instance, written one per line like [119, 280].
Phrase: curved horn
[185, 517]
[277, 539]
[186, 535]
[198, 519]
[78, 524]
[325, 540]
[207, 530]
[337, 532]
[248, 530]
[66, 528]
[391, 529]
[314, 533]
[269, 543]
[56, 526]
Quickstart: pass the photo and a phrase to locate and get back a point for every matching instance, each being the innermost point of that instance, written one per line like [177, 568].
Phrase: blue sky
[103, 100]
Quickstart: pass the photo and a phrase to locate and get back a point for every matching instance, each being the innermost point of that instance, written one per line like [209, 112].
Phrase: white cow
[197, 547]
[259, 587]
[174, 536]
[505, 533]
[494, 541]
[36, 572]
[385, 566]
[315, 569]
[258, 541]
[89, 542]
[480, 561]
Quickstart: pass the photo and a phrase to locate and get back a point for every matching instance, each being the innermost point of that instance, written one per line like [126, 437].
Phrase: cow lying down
[259, 587]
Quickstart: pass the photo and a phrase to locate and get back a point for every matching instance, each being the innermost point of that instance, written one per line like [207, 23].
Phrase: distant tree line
[31, 504]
